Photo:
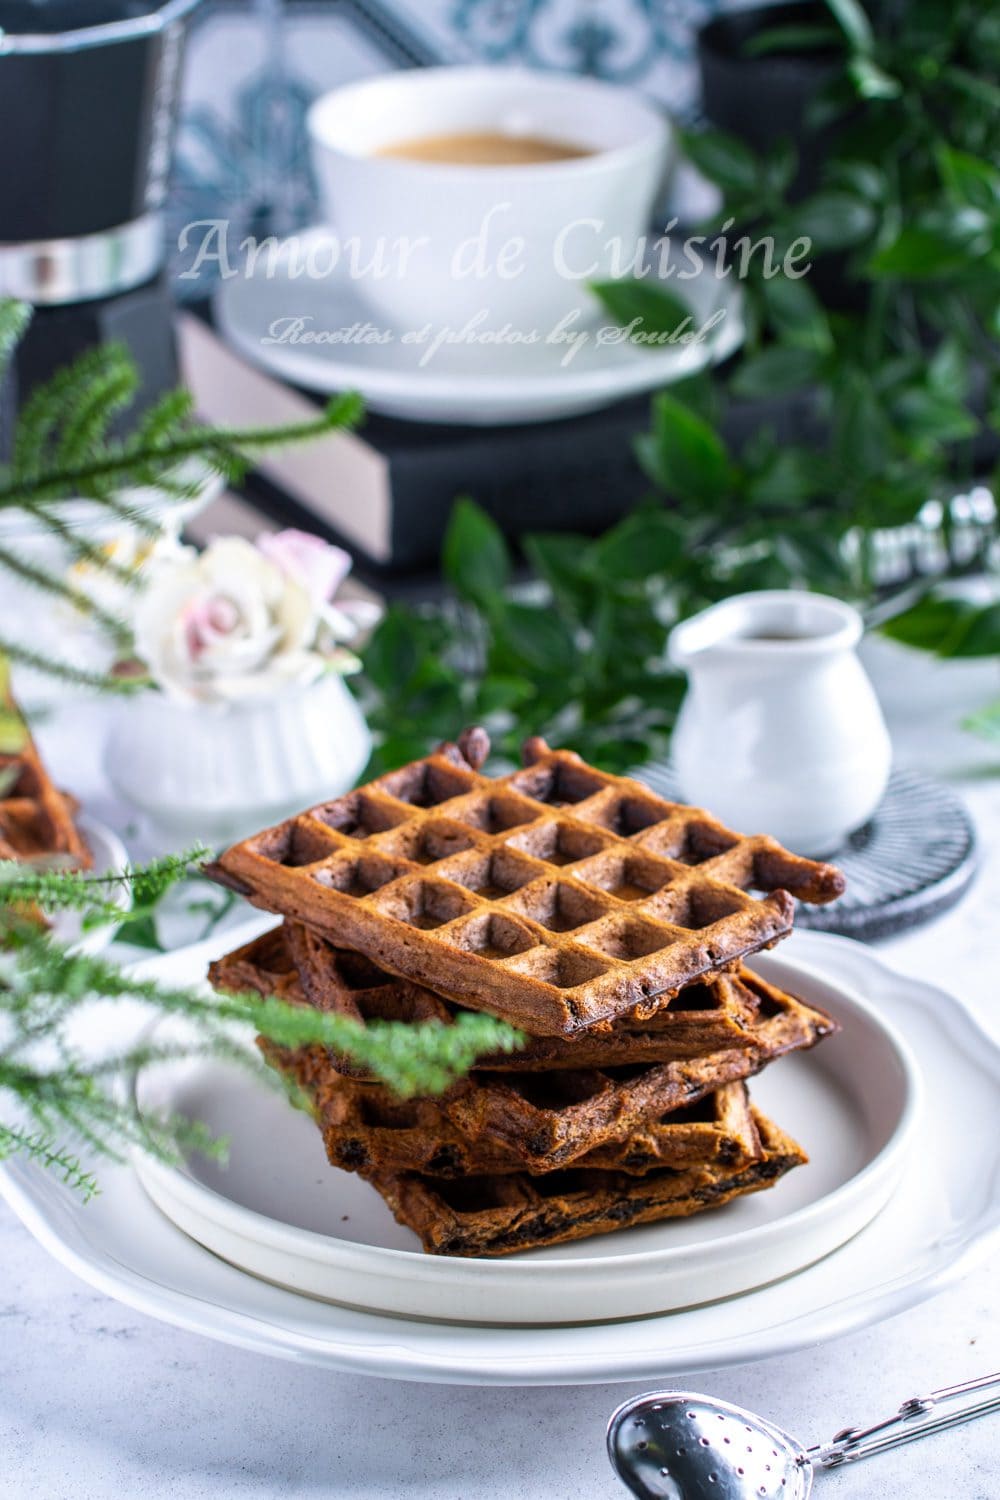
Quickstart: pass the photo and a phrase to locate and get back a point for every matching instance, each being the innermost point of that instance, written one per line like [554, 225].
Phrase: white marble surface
[98, 1402]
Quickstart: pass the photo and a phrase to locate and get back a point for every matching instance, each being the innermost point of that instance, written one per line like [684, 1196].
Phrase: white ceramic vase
[780, 731]
[217, 772]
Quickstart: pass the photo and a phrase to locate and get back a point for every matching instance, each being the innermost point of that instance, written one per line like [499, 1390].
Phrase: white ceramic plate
[279, 1210]
[943, 1217]
[276, 319]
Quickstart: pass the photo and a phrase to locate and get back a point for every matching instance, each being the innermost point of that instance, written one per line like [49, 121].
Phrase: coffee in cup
[485, 193]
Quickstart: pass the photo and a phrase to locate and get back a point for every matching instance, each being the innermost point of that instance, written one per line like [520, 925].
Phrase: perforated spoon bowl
[676, 1445]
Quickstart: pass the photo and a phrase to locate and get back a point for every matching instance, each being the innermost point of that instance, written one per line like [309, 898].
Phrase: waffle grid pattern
[558, 896]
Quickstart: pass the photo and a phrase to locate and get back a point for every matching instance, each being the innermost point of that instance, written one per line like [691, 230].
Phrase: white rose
[322, 568]
[225, 625]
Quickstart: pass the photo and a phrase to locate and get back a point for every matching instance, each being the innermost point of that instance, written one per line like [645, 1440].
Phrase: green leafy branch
[577, 651]
[884, 362]
[92, 892]
[61, 1105]
[576, 654]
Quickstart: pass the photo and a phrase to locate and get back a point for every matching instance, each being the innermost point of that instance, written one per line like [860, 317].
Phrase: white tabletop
[98, 1402]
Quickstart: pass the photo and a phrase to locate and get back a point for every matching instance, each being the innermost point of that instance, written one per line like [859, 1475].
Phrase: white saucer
[279, 1210]
[469, 383]
[944, 1216]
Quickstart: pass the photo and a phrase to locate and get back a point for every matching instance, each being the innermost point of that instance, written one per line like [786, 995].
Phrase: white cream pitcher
[780, 731]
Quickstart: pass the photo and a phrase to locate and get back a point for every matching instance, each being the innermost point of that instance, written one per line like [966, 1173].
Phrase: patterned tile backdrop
[254, 65]
[635, 41]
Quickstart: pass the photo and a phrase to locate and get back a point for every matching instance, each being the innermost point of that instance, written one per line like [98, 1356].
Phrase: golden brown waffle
[732, 1011]
[552, 1119]
[367, 1129]
[496, 1215]
[558, 897]
[547, 1120]
[705, 1016]
[264, 965]
[36, 820]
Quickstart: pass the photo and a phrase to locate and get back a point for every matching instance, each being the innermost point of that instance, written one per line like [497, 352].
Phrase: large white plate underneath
[944, 1216]
[279, 1210]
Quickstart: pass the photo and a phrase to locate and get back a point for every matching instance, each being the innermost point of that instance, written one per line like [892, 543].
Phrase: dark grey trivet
[912, 862]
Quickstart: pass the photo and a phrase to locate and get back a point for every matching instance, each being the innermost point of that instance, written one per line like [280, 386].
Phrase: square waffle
[558, 897]
[36, 820]
[367, 1129]
[732, 1011]
[550, 1120]
[714, 1014]
[493, 1214]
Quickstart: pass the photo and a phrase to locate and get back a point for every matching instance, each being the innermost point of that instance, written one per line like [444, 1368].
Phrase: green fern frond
[63, 448]
[50, 583]
[65, 671]
[424, 1059]
[165, 419]
[45, 410]
[130, 466]
[39, 1147]
[80, 547]
[69, 1096]
[108, 392]
[152, 880]
[411, 1059]
[90, 892]
[50, 890]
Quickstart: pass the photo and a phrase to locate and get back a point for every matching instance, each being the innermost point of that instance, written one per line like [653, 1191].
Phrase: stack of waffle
[610, 926]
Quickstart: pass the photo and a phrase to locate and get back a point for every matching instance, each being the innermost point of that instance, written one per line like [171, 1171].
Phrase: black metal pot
[88, 102]
[88, 95]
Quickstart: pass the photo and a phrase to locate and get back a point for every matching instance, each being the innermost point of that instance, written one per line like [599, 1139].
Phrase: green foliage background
[898, 370]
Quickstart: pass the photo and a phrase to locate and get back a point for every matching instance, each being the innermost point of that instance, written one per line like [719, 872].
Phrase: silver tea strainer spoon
[673, 1445]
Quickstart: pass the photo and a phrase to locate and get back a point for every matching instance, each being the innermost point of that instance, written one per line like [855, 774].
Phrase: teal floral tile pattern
[251, 72]
[624, 40]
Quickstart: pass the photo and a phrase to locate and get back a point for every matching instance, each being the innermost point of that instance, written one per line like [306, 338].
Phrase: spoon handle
[916, 1418]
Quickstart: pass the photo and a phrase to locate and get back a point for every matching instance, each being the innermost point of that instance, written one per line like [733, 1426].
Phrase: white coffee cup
[432, 242]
